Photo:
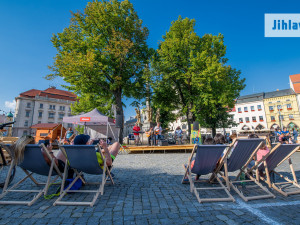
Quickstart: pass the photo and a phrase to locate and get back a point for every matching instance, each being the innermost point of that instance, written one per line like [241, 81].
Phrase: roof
[50, 93]
[250, 98]
[279, 93]
[295, 78]
[49, 126]
[297, 87]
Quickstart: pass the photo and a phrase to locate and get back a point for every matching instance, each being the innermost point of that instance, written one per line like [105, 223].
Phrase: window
[50, 122]
[61, 115]
[288, 100]
[247, 119]
[272, 118]
[261, 118]
[69, 125]
[40, 114]
[289, 106]
[69, 109]
[291, 117]
[39, 122]
[271, 108]
[62, 108]
[27, 113]
[270, 102]
[52, 107]
[239, 110]
[278, 101]
[245, 109]
[281, 117]
[51, 115]
[28, 105]
[26, 123]
[252, 108]
[259, 107]
[279, 107]
[254, 118]
[41, 105]
[24, 132]
[241, 120]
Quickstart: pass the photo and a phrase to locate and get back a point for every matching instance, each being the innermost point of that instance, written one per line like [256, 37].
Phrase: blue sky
[266, 63]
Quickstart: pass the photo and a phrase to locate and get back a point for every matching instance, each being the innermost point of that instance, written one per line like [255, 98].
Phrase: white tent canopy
[97, 124]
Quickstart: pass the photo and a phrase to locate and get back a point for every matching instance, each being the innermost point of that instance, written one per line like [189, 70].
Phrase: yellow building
[282, 109]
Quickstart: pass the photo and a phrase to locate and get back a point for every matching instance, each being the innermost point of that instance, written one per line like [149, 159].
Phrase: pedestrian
[295, 136]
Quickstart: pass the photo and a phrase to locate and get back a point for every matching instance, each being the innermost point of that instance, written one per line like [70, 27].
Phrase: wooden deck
[152, 149]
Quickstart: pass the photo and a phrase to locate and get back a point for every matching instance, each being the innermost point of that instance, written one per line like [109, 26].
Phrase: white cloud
[10, 105]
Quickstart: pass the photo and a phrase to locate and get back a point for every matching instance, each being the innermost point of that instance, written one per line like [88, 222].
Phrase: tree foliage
[101, 55]
[191, 75]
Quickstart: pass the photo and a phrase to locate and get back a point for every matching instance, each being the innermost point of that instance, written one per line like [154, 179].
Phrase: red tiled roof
[297, 87]
[45, 125]
[51, 93]
[295, 78]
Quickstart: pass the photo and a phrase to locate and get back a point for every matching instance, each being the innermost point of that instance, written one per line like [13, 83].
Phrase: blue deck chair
[206, 160]
[33, 163]
[83, 158]
[267, 165]
[236, 159]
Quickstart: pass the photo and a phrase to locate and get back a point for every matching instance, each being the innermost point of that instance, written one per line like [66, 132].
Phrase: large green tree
[101, 56]
[191, 75]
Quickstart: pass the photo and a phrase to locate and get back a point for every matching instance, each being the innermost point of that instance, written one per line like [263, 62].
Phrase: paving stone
[149, 191]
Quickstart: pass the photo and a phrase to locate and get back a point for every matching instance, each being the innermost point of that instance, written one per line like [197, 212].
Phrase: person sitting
[149, 134]
[19, 147]
[220, 139]
[178, 134]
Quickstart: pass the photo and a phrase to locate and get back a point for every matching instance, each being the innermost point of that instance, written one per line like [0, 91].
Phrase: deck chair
[271, 161]
[83, 159]
[237, 159]
[206, 160]
[33, 163]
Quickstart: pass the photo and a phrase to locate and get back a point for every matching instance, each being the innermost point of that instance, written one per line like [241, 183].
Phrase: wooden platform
[152, 149]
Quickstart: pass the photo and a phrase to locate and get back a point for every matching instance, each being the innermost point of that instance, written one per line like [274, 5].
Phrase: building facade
[250, 113]
[282, 109]
[36, 106]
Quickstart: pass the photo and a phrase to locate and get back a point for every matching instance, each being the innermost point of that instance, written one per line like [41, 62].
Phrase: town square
[159, 112]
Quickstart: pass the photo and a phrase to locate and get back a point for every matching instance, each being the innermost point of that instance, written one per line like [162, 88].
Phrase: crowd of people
[284, 136]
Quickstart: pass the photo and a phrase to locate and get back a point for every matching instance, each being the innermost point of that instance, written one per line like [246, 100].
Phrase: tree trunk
[119, 115]
[213, 131]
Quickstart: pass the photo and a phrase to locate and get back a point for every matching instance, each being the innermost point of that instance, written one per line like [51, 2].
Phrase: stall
[51, 131]
[96, 124]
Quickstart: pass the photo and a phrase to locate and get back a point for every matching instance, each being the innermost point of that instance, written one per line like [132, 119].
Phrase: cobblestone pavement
[148, 190]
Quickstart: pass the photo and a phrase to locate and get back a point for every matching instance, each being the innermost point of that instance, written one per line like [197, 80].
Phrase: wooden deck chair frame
[231, 183]
[105, 175]
[40, 192]
[188, 173]
[267, 178]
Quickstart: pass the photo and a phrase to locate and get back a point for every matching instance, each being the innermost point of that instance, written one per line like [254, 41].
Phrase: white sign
[282, 25]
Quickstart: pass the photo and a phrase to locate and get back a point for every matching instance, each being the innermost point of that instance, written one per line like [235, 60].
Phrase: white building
[250, 113]
[36, 106]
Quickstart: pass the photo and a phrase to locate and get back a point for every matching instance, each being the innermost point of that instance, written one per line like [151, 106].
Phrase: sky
[27, 27]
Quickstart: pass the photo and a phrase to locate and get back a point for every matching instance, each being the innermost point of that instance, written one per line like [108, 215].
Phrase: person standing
[136, 129]
[295, 135]
[157, 132]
